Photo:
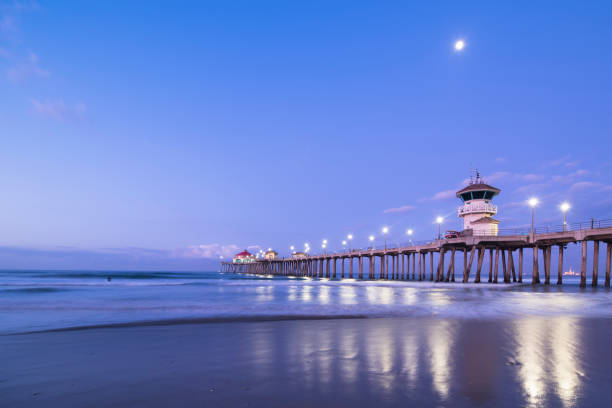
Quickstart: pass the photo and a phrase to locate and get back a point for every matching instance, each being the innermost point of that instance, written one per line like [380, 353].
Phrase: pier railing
[523, 231]
[547, 229]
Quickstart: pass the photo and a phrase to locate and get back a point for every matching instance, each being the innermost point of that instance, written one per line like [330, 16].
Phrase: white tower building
[477, 211]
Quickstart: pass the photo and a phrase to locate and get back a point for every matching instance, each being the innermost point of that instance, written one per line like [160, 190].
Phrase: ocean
[51, 300]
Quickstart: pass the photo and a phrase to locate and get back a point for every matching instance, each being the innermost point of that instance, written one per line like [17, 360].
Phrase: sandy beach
[558, 361]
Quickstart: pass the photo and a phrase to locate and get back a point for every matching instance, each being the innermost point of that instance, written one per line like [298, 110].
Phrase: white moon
[459, 44]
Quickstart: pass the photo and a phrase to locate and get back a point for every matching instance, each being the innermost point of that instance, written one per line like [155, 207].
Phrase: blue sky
[193, 129]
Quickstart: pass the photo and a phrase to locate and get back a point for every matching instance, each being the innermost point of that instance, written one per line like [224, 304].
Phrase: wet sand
[383, 362]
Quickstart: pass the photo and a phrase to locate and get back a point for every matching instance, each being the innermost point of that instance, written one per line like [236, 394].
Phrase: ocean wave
[34, 290]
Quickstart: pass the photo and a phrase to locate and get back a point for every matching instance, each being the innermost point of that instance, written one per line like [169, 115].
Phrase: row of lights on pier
[533, 202]
[349, 237]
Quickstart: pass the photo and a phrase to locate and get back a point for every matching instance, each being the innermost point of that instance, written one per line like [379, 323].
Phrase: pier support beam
[536, 272]
[481, 252]
[490, 265]
[451, 265]
[431, 263]
[560, 266]
[465, 259]
[496, 265]
[421, 261]
[595, 263]
[520, 277]
[414, 264]
[583, 265]
[440, 274]
[608, 259]
[511, 264]
[466, 275]
[504, 269]
[547, 251]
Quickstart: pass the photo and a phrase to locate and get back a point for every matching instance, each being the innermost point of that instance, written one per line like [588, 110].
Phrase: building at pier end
[244, 257]
[477, 210]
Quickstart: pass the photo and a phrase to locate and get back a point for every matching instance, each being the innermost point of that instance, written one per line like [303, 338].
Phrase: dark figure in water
[108, 279]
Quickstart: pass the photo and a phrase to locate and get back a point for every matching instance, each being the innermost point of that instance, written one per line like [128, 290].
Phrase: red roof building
[244, 257]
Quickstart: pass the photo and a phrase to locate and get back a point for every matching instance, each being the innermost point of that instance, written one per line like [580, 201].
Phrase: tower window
[478, 195]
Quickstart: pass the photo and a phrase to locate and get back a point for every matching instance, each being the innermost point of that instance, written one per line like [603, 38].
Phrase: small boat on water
[571, 272]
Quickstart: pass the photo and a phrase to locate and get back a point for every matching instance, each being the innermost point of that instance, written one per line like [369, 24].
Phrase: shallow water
[46, 300]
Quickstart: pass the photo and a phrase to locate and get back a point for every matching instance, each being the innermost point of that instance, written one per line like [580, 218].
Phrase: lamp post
[409, 233]
[439, 220]
[385, 230]
[344, 245]
[564, 207]
[323, 246]
[532, 203]
[371, 241]
[349, 237]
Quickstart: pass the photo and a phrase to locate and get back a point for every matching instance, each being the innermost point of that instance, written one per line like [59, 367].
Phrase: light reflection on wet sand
[535, 360]
[558, 362]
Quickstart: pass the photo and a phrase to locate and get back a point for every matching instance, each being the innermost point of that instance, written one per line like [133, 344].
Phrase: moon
[459, 45]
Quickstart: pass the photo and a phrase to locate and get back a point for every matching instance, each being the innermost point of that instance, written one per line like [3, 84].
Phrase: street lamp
[350, 238]
[439, 220]
[564, 207]
[409, 233]
[372, 241]
[344, 245]
[532, 203]
[323, 246]
[385, 230]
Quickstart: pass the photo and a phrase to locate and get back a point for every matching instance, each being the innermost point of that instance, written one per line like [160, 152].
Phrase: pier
[436, 260]
[481, 237]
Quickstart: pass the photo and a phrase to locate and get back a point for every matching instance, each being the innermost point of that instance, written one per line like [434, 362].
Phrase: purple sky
[156, 136]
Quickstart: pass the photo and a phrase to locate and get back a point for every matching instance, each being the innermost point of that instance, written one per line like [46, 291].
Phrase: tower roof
[478, 187]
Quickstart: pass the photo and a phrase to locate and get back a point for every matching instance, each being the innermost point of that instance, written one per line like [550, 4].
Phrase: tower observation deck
[477, 210]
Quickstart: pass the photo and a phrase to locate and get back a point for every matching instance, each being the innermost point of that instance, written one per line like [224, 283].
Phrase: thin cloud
[25, 5]
[25, 68]
[57, 109]
[444, 195]
[441, 195]
[7, 23]
[4, 54]
[208, 251]
[402, 209]
[592, 185]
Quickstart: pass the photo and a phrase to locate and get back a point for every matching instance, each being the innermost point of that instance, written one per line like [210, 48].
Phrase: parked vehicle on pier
[452, 234]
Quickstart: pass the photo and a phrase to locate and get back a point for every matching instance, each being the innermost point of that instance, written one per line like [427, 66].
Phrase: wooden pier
[411, 262]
